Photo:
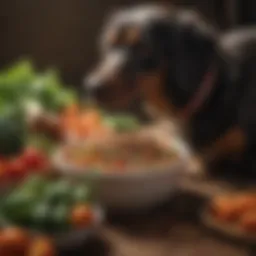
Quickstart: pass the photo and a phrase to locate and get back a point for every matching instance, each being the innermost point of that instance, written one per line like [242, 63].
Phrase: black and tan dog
[175, 62]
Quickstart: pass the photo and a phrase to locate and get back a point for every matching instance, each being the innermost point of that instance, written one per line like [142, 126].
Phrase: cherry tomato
[33, 159]
[16, 168]
[3, 165]
[82, 216]
[42, 246]
[13, 241]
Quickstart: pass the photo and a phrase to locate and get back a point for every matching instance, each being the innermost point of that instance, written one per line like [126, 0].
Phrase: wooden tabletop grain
[171, 229]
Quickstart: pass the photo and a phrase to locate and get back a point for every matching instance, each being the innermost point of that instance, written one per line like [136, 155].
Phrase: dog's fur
[161, 55]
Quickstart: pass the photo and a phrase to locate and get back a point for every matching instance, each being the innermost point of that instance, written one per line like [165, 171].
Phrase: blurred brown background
[63, 33]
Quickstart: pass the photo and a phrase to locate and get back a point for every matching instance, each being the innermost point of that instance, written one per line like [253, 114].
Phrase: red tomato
[33, 159]
[3, 170]
[2, 159]
[42, 165]
[13, 241]
[3, 164]
[16, 168]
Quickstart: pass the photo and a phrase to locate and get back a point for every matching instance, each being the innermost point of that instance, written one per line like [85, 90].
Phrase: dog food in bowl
[119, 155]
[134, 171]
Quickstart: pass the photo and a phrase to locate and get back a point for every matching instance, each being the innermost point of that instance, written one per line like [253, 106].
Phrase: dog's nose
[94, 88]
[90, 85]
[91, 82]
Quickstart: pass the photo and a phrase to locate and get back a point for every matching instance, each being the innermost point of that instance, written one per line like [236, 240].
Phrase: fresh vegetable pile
[40, 102]
[24, 95]
[48, 206]
[39, 205]
[21, 87]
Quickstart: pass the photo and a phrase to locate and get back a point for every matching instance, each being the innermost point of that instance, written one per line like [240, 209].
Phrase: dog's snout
[95, 88]
[91, 83]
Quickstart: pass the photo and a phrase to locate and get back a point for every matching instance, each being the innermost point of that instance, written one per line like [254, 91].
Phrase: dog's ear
[194, 44]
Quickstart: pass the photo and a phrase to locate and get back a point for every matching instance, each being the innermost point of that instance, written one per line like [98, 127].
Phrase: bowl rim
[182, 161]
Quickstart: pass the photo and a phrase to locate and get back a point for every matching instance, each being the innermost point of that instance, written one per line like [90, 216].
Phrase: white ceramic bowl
[135, 190]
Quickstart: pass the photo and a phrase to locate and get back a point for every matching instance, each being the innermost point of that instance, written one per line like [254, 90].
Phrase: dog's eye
[148, 63]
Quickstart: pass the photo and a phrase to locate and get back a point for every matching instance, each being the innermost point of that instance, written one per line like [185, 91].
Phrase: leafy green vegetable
[45, 205]
[59, 217]
[81, 194]
[61, 191]
[21, 83]
[34, 186]
[41, 215]
[19, 86]
[12, 136]
[15, 81]
[122, 123]
[50, 92]
[17, 207]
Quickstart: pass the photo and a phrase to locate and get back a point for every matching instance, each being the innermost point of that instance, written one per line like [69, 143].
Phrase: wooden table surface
[172, 229]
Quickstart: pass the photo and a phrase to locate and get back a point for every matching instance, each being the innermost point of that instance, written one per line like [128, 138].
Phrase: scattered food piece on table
[82, 216]
[248, 221]
[42, 246]
[238, 210]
